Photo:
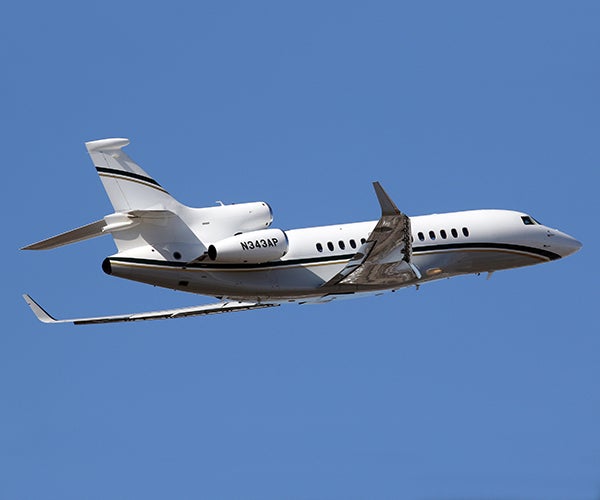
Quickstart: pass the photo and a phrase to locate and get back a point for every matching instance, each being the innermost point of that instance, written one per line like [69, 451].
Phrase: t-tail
[127, 185]
[132, 193]
[148, 220]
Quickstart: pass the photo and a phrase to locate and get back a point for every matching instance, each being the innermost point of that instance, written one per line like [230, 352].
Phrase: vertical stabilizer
[128, 186]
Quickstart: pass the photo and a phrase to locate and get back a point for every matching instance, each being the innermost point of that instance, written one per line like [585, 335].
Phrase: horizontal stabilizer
[81, 233]
[217, 308]
[110, 224]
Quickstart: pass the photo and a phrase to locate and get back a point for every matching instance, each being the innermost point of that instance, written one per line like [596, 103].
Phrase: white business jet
[231, 252]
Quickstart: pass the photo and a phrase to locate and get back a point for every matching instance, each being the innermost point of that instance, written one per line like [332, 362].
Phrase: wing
[385, 258]
[217, 308]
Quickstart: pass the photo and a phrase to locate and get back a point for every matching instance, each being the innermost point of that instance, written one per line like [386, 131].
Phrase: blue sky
[467, 389]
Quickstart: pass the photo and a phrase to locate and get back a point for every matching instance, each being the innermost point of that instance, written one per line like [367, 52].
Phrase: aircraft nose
[572, 245]
[563, 244]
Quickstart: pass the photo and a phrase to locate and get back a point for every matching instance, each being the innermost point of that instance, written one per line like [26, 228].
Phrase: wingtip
[38, 310]
[388, 207]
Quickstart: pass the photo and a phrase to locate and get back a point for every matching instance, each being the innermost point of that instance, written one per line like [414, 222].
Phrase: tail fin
[127, 185]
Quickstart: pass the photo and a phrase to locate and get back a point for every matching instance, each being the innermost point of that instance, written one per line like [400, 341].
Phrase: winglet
[38, 310]
[388, 207]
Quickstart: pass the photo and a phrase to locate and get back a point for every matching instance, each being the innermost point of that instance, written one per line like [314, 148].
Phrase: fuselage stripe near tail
[124, 173]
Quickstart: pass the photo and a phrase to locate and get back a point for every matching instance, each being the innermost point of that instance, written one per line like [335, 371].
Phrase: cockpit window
[529, 221]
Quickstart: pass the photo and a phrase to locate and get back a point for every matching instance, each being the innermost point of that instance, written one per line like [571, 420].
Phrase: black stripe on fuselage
[210, 265]
[331, 258]
[487, 246]
[124, 173]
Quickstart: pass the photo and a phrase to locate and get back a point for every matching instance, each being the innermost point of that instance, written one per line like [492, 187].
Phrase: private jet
[233, 253]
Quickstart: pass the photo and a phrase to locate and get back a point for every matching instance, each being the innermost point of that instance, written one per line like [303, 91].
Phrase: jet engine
[254, 247]
[239, 217]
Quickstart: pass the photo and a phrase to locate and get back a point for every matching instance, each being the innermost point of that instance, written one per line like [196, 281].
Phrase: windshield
[529, 221]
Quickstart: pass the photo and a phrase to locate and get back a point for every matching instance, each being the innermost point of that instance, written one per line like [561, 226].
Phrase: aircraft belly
[307, 280]
[483, 261]
[451, 263]
[294, 281]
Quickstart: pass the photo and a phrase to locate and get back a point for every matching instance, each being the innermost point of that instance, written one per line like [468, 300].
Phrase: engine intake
[254, 247]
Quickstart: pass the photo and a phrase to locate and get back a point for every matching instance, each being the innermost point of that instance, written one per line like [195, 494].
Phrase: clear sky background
[466, 389]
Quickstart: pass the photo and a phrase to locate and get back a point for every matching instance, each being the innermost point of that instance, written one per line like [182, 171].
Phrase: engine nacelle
[254, 247]
[237, 218]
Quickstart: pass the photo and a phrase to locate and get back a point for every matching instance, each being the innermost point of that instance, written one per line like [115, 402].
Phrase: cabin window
[330, 246]
[443, 234]
[454, 233]
[432, 235]
[421, 236]
[465, 231]
[362, 241]
[342, 245]
[353, 243]
[319, 247]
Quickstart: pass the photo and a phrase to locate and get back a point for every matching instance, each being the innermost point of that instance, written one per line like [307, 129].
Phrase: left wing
[385, 258]
[217, 308]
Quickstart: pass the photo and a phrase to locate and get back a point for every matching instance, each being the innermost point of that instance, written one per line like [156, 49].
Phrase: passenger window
[330, 246]
[319, 247]
[421, 236]
[465, 231]
[353, 243]
[432, 235]
[454, 233]
[362, 241]
[443, 234]
[342, 245]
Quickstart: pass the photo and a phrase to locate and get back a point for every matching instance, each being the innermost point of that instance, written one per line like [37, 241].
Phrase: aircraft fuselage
[444, 245]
